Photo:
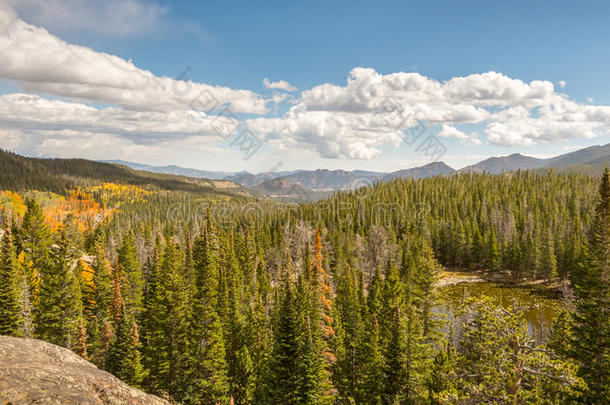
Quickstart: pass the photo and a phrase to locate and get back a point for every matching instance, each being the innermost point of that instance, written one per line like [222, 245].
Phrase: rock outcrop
[37, 372]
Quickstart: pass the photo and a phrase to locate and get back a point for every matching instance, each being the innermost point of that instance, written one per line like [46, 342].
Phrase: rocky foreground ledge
[37, 372]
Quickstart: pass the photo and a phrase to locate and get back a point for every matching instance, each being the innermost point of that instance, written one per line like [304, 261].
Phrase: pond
[543, 307]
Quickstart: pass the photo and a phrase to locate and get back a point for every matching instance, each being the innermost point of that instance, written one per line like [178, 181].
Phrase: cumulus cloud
[280, 85]
[42, 63]
[331, 135]
[36, 114]
[373, 110]
[557, 121]
[10, 139]
[356, 120]
[448, 131]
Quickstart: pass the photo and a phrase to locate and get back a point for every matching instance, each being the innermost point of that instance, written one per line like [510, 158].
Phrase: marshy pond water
[542, 306]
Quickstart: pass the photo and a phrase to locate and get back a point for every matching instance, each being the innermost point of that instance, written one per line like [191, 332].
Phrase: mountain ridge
[320, 181]
[20, 172]
[313, 183]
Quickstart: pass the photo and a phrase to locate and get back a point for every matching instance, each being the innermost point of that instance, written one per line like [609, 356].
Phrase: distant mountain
[496, 165]
[250, 180]
[324, 180]
[245, 179]
[594, 157]
[172, 169]
[429, 170]
[364, 174]
[25, 173]
[286, 190]
[316, 183]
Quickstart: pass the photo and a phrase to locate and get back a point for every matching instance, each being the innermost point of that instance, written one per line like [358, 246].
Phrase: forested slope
[210, 300]
[57, 175]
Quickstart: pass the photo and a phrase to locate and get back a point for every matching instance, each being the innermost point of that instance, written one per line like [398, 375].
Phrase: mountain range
[26, 173]
[55, 174]
[323, 182]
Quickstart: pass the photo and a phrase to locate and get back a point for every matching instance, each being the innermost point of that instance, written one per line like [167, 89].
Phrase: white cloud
[9, 139]
[331, 135]
[356, 120]
[280, 85]
[562, 84]
[111, 18]
[42, 63]
[34, 114]
[448, 131]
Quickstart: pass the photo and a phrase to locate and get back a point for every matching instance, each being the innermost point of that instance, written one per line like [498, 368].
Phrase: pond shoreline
[454, 277]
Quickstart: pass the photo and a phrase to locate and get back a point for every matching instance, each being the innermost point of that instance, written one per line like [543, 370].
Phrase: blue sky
[310, 45]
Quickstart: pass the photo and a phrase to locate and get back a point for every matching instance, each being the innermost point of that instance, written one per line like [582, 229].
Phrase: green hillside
[24, 173]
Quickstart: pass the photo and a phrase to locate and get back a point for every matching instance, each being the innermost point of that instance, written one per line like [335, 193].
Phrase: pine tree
[11, 319]
[592, 317]
[259, 344]
[494, 261]
[312, 353]
[562, 335]
[171, 320]
[347, 374]
[499, 363]
[392, 337]
[98, 326]
[549, 260]
[60, 305]
[117, 298]
[371, 389]
[133, 280]
[81, 344]
[105, 339]
[477, 248]
[152, 321]
[243, 385]
[442, 379]
[208, 378]
[102, 284]
[124, 360]
[323, 312]
[283, 376]
[35, 243]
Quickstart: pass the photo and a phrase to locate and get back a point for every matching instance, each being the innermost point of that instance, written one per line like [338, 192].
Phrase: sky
[281, 85]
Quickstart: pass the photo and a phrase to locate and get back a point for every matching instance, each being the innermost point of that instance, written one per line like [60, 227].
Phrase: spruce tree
[207, 374]
[592, 317]
[312, 355]
[347, 374]
[123, 359]
[442, 379]
[549, 260]
[393, 337]
[60, 305]
[283, 379]
[322, 313]
[152, 321]
[80, 347]
[117, 298]
[171, 320]
[132, 282]
[499, 363]
[371, 389]
[11, 319]
[98, 321]
[35, 243]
